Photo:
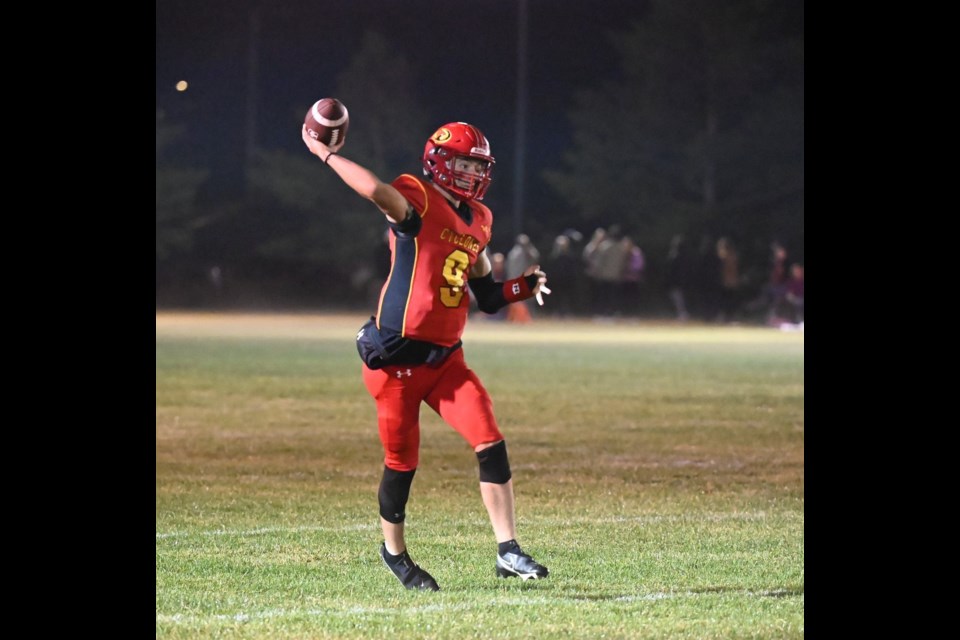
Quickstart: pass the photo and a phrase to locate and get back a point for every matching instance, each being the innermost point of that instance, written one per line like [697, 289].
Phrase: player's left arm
[492, 296]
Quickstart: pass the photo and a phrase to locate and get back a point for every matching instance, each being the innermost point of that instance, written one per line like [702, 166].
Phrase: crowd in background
[606, 276]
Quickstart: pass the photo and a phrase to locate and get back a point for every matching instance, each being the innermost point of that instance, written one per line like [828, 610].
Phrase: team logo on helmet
[442, 135]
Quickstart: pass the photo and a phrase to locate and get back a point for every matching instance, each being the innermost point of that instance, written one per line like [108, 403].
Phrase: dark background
[658, 117]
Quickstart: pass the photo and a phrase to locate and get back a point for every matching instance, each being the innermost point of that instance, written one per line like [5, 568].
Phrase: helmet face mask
[444, 158]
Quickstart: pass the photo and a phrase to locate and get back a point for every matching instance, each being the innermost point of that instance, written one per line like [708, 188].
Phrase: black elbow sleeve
[409, 226]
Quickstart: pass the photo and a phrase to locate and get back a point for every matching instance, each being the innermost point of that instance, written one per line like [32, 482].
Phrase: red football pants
[453, 390]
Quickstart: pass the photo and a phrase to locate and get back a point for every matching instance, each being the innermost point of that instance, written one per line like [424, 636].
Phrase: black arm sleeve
[489, 293]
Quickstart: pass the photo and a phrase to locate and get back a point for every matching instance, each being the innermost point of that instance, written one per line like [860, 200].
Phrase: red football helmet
[453, 140]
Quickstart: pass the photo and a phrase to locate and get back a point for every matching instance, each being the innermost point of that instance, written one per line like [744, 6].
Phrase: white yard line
[538, 601]
[709, 517]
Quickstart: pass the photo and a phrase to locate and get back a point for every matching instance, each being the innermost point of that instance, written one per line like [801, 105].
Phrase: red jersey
[425, 296]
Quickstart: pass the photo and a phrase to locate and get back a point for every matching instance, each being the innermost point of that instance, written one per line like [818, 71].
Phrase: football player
[411, 348]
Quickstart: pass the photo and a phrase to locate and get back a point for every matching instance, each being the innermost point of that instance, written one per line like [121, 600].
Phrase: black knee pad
[494, 465]
[393, 494]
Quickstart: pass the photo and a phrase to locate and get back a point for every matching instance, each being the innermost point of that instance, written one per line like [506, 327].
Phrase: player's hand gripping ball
[327, 121]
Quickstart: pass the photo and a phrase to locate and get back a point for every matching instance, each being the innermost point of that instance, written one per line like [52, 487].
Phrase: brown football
[327, 121]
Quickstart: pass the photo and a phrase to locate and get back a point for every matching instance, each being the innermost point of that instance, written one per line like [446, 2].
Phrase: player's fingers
[542, 289]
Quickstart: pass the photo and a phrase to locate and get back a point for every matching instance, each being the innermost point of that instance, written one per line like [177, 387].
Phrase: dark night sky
[465, 55]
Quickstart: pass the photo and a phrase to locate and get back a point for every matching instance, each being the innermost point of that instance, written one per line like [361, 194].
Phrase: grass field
[658, 472]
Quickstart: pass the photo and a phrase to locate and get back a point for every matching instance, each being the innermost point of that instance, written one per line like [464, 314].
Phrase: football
[327, 121]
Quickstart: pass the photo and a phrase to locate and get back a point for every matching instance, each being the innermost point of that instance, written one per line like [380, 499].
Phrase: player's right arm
[362, 180]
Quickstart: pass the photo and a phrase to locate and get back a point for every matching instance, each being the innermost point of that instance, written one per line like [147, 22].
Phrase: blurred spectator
[681, 271]
[778, 269]
[772, 290]
[729, 280]
[610, 258]
[706, 303]
[522, 255]
[777, 282]
[575, 236]
[632, 277]
[562, 268]
[793, 295]
[579, 295]
[591, 268]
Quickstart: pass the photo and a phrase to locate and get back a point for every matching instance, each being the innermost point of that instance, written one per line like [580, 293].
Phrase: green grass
[658, 473]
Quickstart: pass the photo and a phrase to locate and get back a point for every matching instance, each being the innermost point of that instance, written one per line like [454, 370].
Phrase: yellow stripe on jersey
[426, 200]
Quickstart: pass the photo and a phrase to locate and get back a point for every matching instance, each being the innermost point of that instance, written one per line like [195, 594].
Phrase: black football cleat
[408, 572]
[519, 564]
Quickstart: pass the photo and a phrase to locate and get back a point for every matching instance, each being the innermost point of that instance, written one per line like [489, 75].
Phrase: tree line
[701, 132]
